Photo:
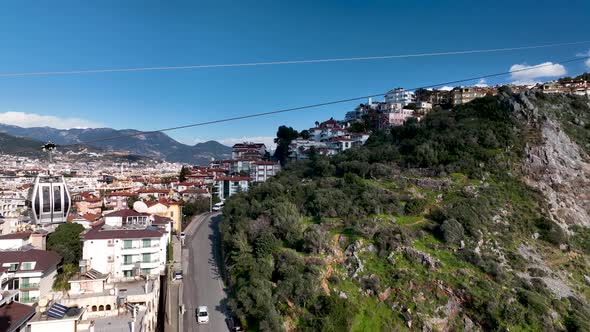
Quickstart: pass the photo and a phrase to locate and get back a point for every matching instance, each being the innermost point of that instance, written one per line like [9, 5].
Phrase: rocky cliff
[555, 164]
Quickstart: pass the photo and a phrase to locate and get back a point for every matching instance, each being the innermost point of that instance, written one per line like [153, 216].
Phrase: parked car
[178, 275]
[234, 325]
[202, 315]
[182, 235]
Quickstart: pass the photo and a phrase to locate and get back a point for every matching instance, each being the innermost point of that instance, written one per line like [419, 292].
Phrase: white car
[182, 235]
[218, 206]
[178, 275]
[202, 315]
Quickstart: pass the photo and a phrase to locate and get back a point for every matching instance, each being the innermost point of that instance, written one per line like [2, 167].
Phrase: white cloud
[482, 83]
[27, 120]
[267, 140]
[523, 73]
[446, 88]
[585, 54]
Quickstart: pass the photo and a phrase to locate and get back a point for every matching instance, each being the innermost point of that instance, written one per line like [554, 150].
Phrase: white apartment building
[127, 251]
[399, 96]
[225, 186]
[29, 271]
[12, 204]
[261, 170]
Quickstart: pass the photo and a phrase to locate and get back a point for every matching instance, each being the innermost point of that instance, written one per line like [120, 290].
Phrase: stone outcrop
[554, 165]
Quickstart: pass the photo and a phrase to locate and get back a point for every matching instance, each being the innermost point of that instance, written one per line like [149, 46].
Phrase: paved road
[202, 284]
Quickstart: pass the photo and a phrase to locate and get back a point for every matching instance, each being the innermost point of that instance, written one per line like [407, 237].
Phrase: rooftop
[14, 315]
[44, 259]
[16, 236]
[122, 233]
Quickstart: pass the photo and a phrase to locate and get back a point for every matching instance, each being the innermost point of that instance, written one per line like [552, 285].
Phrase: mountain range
[154, 145]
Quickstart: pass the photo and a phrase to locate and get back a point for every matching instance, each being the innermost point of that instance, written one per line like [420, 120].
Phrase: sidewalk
[173, 321]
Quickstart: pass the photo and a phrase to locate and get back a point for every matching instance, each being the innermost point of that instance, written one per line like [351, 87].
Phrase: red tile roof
[91, 216]
[120, 194]
[153, 191]
[15, 315]
[159, 220]
[45, 259]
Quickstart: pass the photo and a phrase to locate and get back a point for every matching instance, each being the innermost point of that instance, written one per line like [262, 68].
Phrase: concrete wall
[46, 283]
[52, 326]
[8, 244]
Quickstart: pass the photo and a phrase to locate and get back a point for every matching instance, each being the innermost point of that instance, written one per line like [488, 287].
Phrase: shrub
[452, 231]
[550, 231]
[415, 206]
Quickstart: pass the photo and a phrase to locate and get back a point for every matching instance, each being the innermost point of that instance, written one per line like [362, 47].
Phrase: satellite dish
[140, 207]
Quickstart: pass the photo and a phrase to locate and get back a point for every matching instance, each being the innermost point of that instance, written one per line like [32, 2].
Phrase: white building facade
[125, 252]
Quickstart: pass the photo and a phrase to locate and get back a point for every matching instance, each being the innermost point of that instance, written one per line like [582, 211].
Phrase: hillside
[32, 148]
[473, 219]
[154, 145]
[10, 144]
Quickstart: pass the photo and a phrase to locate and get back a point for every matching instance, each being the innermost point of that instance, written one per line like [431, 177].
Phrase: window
[108, 307]
[46, 200]
[146, 272]
[146, 258]
[94, 308]
[127, 244]
[146, 243]
[57, 198]
[13, 267]
[101, 307]
[126, 273]
[27, 266]
[127, 259]
[172, 214]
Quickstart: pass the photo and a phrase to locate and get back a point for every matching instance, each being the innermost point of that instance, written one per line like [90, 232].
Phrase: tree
[66, 242]
[304, 134]
[285, 135]
[184, 172]
[131, 200]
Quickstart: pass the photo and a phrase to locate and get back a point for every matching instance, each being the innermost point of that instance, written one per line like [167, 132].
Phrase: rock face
[556, 166]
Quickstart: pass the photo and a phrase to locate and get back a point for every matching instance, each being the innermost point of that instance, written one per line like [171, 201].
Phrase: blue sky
[59, 35]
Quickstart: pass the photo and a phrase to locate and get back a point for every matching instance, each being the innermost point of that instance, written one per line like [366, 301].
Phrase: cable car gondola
[49, 200]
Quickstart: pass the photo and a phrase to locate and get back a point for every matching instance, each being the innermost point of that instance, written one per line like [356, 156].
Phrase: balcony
[28, 299]
[140, 249]
[29, 285]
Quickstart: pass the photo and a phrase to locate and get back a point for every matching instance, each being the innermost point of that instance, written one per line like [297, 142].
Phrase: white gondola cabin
[49, 200]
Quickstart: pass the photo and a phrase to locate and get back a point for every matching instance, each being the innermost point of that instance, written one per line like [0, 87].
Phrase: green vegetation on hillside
[421, 228]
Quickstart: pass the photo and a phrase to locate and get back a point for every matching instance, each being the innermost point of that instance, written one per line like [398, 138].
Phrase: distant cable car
[49, 200]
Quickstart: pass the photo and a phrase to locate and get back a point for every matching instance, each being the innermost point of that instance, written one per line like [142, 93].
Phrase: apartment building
[12, 204]
[400, 96]
[127, 245]
[248, 150]
[225, 186]
[465, 94]
[262, 170]
[31, 272]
